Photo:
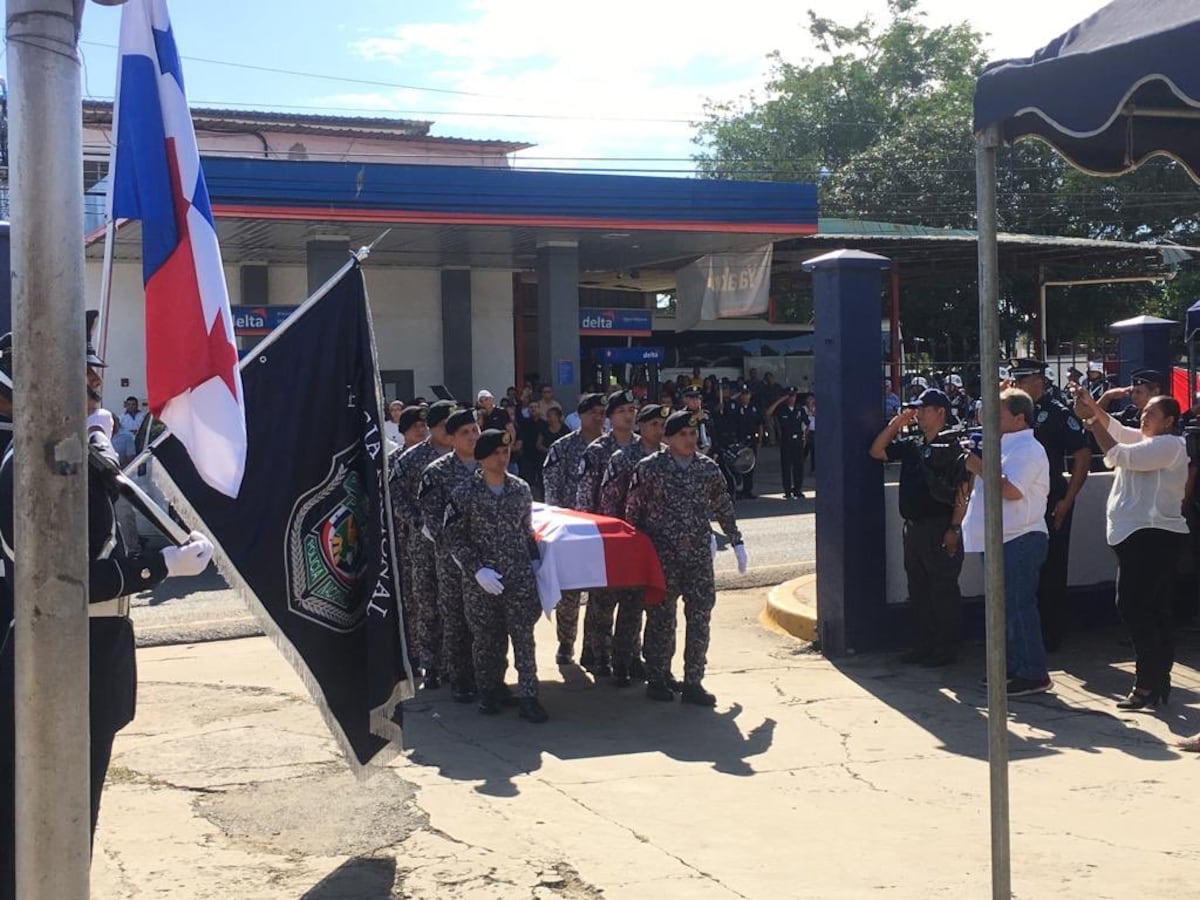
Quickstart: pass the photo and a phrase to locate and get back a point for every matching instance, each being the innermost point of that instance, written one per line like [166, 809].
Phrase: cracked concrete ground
[810, 779]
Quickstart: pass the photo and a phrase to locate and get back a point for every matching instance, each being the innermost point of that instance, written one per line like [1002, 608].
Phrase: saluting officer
[114, 573]
[404, 481]
[621, 409]
[1061, 433]
[673, 495]
[438, 481]
[558, 476]
[693, 402]
[791, 424]
[488, 527]
[614, 489]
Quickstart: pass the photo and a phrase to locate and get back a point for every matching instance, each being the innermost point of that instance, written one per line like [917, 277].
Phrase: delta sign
[616, 322]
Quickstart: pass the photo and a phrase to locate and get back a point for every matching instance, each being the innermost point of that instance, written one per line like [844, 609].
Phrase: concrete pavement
[810, 780]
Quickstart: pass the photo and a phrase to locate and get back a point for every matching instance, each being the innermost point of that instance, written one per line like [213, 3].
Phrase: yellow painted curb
[792, 606]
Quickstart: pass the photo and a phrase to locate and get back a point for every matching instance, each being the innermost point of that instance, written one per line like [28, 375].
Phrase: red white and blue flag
[192, 374]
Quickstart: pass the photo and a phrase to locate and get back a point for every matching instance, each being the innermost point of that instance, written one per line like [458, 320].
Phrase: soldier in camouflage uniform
[413, 430]
[438, 482]
[673, 494]
[404, 480]
[558, 475]
[627, 645]
[621, 409]
[489, 531]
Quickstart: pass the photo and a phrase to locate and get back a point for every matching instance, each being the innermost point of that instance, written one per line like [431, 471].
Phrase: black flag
[308, 540]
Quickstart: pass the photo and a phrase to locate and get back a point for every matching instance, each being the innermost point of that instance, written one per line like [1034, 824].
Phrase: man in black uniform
[932, 504]
[113, 575]
[749, 433]
[1061, 433]
[789, 428]
[1144, 385]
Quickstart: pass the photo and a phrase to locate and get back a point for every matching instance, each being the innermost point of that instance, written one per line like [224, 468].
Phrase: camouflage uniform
[673, 504]
[598, 621]
[613, 490]
[404, 480]
[438, 481]
[558, 476]
[485, 529]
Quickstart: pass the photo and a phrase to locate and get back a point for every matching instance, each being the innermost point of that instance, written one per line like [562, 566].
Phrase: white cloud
[651, 60]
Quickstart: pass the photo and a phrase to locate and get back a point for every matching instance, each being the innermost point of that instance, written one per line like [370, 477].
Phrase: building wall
[405, 308]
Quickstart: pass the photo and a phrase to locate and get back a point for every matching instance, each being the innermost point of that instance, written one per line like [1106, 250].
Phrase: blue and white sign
[632, 354]
[258, 320]
[616, 322]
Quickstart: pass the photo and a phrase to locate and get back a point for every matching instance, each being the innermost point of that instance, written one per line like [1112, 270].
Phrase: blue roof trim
[479, 193]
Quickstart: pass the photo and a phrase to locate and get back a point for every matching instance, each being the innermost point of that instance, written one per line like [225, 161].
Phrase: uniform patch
[1074, 424]
[325, 554]
[1043, 416]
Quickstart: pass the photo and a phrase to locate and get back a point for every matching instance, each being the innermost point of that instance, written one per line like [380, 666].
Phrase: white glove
[712, 546]
[190, 559]
[743, 558]
[426, 533]
[489, 580]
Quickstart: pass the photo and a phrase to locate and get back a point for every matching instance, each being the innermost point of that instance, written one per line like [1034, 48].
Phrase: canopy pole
[989, 360]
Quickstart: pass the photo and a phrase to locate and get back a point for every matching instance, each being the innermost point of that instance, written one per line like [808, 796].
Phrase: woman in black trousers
[1145, 529]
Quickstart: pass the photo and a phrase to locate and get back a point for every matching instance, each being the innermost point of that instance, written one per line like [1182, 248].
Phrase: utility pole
[50, 459]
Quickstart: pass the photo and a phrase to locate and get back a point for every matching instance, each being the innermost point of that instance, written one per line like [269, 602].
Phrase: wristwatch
[957, 529]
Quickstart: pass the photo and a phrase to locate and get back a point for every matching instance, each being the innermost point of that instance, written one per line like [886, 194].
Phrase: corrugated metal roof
[853, 229]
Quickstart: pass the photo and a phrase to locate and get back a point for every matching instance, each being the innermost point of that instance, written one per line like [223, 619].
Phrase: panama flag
[191, 361]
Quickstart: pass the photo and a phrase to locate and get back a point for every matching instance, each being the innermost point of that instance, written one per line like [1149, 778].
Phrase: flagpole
[110, 237]
[356, 257]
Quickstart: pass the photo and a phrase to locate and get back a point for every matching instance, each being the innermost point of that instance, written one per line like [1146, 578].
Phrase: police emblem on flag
[326, 556]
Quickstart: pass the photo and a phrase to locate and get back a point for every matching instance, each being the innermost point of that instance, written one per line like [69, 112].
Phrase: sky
[614, 85]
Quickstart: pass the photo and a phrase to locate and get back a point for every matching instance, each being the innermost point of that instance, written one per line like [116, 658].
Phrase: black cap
[653, 411]
[792, 389]
[692, 392]
[1021, 368]
[931, 397]
[744, 389]
[491, 441]
[589, 401]
[411, 416]
[678, 421]
[439, 412]
[460, 419]
[93, 358]
[618, 399]
[1147, 376]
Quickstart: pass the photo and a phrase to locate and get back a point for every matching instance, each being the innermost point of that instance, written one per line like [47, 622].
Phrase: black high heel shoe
[1139, 699]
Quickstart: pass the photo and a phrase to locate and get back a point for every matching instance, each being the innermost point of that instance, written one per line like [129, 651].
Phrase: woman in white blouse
[1145, 524]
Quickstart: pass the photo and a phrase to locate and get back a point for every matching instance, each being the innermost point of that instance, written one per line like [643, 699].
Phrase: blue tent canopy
[1119, 87]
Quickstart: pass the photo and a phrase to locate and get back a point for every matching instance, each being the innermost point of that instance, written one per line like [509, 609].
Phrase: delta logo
[600, 320]
[250, 319]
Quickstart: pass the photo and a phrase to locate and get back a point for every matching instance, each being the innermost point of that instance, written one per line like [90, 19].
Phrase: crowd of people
[1049, 438]
[462, 483]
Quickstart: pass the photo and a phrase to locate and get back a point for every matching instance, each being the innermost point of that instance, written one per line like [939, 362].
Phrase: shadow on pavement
[587, 720]
[360, 878]
[1080, 713]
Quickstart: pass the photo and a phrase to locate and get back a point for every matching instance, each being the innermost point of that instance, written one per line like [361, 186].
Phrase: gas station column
[851, 583]
[558, 319]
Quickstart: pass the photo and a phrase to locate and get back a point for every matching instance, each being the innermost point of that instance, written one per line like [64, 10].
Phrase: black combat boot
[565, 655]
[621, 677]
[532, 711]
[697, 696]
[657, 690]
[488, 704]
[503, 695]
[603, 668]
[587, 659]
[462, 693]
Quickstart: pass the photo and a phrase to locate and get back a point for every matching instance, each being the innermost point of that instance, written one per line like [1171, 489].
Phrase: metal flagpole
[993, 556]
[110, 237]
[50, 456]
[356, 257]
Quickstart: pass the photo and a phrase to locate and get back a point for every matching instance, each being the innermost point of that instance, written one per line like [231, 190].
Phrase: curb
[762, 576]
[792, 606]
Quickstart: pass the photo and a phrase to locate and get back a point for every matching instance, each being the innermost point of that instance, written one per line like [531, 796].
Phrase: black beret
[491, 441]
[411, 416]
[460, 419]
[653, 411]
[676, 422]
[617, 399]
[439, 412]
[589, 401]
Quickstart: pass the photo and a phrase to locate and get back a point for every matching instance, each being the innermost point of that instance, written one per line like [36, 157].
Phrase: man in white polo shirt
[1024, 487]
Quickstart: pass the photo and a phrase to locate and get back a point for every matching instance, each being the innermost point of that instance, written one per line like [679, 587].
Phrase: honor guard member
[488, 527]
[411, 429]
[673, 496]
[791, 424]
[614, 489]
[114, 573]
[558, 476]
[693, 402]
[1061, 433]
[932, 504]
[620, 409]
[438, 481]
[960, 401]
[404, 482]
[749, 433]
